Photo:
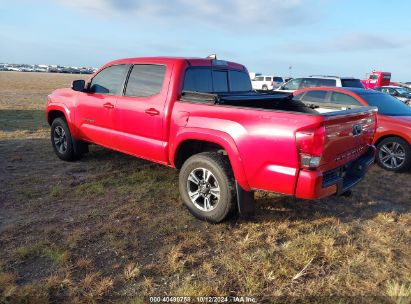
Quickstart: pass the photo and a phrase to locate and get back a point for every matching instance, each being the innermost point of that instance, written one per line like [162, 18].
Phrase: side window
[298, 96]
[293, 84]
[109, 80]
[278, 79]
[267, 78]
[239, 82]
[326, 83]
[198, 80]
[145, 80]
[309, 83]
[220, 81]
[259, 78]
[315, 96]
[344, 99]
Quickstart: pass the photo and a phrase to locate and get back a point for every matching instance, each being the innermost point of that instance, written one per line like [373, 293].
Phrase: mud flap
[245, 201]
[79, 147]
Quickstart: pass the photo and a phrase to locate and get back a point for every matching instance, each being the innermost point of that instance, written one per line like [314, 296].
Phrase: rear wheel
[207, 186]
[265, 88]
[394, 154]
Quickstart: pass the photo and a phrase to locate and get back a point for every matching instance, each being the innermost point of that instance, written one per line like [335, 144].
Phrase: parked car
[319, 81]
[201, 116]
[398, 92]
[393, 135]
[264, 83]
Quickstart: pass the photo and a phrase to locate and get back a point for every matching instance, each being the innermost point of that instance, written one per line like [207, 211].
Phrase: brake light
[310, 144]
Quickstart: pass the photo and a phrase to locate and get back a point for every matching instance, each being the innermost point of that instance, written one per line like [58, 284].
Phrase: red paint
[386, 125]
[377, 79]
[261, 144]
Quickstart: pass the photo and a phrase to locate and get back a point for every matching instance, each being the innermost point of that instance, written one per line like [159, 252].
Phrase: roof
[328, 77]
[391, 86]
[194, 61]
[341, 89]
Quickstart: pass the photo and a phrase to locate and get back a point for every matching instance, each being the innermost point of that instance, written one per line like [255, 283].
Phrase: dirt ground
[111, 228]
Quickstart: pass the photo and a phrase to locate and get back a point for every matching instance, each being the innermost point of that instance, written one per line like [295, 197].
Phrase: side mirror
[78, 85]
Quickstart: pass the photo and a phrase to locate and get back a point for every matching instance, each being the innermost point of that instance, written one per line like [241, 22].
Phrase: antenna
[212, 56]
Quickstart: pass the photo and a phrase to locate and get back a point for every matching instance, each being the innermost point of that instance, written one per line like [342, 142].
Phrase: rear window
[352, 83]
[239, 81]
[386, 104]
[198, 80]
[207, 80]
[220, 81]
[145, 80]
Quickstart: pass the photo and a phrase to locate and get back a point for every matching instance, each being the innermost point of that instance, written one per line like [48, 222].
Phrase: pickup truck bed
[226, 143]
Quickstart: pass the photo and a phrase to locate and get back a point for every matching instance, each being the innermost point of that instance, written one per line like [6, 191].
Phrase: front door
[95, 106]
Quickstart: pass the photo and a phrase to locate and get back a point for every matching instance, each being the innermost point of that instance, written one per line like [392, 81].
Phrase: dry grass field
[111, 228]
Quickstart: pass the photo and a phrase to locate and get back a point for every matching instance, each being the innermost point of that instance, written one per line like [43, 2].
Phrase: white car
[319, 81]
[266, 82]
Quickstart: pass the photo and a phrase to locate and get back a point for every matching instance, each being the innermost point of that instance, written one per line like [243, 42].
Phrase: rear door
[95, 107]
[139, 114]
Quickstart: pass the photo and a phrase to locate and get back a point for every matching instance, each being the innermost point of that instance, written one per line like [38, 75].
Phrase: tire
[265, 88]
[61, 140]
[192, 182]
[394, 154]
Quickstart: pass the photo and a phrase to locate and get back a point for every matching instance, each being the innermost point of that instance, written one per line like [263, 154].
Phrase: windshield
[402, 91]
[386, 104]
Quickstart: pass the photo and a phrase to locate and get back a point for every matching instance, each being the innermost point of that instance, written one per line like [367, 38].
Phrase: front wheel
[394, 154]
[207, 186]
[61, 139]
[265, 88]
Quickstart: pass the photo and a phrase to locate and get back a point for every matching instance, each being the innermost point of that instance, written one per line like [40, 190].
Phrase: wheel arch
[191, 143]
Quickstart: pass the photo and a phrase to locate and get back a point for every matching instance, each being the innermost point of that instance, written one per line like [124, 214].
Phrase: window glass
[341, 98]
[298, 96]
[326, 83]
[198, 80]
[386, 104]
[309, 83]
[239, 82]
[353, 83]
[145, 80]
[278, 79]
[220, 81]
[267, 78]
[292, 85]
[109, 80]
[258, 78]
[315, 96]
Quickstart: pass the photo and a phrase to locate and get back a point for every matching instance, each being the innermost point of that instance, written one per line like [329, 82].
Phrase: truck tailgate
[348, 135]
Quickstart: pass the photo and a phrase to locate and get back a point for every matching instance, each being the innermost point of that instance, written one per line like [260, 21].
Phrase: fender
[216, 137]
[68, 115]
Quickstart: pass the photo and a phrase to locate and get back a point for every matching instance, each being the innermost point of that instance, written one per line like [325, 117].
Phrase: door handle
[152, 112]
[108, 105]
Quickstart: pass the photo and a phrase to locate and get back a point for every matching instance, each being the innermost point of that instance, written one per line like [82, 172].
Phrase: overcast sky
[346, 37]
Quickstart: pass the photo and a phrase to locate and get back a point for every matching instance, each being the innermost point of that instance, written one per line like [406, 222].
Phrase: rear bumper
[315, 184]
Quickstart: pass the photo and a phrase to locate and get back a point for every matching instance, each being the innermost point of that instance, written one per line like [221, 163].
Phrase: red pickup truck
[201, 116]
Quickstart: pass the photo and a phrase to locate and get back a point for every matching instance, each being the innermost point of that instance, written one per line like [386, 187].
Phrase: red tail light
[310, 145]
